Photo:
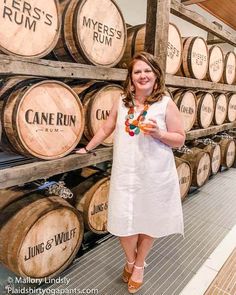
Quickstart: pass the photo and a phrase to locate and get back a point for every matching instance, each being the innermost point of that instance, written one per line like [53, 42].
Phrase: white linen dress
[144, 194]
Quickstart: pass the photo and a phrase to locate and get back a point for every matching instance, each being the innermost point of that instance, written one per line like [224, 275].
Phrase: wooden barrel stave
[130, 45]
[91, 197]
[61, 51]
[205, 109]
[174, 50]
[184, 171]
[215, 158]
[229, 73]
[220, 108]
[0, 130]
[186, 103]
[231, 110]
[216, 64]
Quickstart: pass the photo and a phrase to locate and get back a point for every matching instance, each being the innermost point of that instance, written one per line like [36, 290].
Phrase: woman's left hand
[152, 129]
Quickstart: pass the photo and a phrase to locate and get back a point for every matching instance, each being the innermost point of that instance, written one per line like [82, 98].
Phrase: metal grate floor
[209, 214]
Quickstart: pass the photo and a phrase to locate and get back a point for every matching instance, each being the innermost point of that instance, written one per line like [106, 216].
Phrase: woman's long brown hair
[159, 88]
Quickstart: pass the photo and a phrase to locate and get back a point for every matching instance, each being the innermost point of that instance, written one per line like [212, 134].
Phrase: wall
[134, 11]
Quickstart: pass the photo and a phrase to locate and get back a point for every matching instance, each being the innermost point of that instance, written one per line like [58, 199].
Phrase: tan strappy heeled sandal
[133, 286]
[126, 274]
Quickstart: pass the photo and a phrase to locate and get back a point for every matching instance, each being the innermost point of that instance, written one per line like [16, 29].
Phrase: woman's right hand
[81, 151]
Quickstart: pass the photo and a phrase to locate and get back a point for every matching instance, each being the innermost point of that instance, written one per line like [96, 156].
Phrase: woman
[144, 199]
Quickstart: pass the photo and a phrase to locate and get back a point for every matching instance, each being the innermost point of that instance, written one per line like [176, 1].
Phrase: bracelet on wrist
[161, 135]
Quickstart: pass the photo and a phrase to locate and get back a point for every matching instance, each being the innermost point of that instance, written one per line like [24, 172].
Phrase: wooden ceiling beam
[189, 2]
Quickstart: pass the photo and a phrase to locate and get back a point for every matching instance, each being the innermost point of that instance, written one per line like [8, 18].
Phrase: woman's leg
[145, 244]
[129, 244]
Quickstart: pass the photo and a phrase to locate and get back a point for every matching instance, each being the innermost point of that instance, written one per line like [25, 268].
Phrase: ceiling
[225, 10]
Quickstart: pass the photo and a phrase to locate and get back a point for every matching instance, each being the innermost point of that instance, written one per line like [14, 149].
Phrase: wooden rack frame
[158, 12]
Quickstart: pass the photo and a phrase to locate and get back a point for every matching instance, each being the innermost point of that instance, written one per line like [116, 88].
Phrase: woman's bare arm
[175, 135]
[106, 129]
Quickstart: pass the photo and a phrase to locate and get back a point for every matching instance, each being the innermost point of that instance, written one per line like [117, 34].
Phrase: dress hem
[145, 233]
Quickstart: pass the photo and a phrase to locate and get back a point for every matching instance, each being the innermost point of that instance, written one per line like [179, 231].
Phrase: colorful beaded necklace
[133, 127]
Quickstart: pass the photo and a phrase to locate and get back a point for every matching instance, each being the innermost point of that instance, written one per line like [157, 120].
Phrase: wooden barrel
[221, 108]
[231, 110]
[205, 109]
[91, 197]
[98, 99]
[215, 153]
[229, 72]
[185, 176]
[93, 31]
[232, 133]
[48, 236]
[45, 120]
[23, 24]
[195, 57]
[186, 103]
[0, 126]
[216, 64]
[136, 40]
[200, 163]
[227, 151]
